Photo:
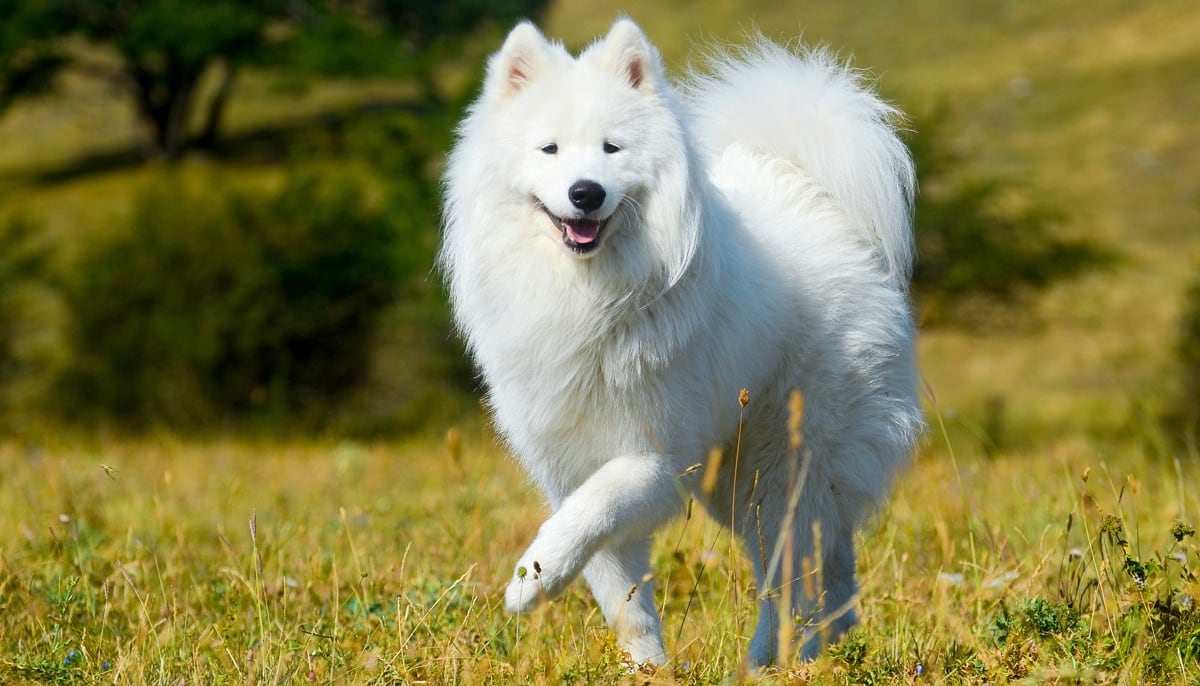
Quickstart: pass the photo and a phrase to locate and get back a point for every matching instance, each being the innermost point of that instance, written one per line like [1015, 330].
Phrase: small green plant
[1036, 618]
[56, 658]
[852, 650]
[1134, 604]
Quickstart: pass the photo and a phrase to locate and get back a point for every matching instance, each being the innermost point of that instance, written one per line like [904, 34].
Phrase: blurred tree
[434, 31]
[167, 47]
[28, 60]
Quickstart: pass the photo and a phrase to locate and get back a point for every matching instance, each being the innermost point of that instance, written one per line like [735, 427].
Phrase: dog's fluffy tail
[818, 113]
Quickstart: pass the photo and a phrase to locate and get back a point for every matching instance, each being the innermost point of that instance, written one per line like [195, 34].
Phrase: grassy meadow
[161, 561]
[1043, 533]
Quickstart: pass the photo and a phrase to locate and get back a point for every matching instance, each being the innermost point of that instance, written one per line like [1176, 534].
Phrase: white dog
[623, 260]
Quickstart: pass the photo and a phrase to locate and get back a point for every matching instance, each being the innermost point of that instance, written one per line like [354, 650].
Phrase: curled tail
[818, 113]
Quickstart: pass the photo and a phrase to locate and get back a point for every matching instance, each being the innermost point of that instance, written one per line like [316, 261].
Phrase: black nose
[586, 195]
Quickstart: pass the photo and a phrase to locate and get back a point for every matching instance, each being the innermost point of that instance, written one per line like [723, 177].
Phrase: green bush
[221, 307]
[28, 318]
[421, 375]
[983, 242]
[1189, 359]
[21, 259]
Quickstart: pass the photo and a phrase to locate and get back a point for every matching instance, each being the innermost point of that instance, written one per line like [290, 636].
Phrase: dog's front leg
[627, 498]
[620, 577]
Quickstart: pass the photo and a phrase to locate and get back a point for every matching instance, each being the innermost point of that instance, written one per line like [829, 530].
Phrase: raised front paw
[525, 591]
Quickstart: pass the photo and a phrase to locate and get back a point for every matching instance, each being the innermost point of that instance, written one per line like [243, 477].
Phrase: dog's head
[582, 139]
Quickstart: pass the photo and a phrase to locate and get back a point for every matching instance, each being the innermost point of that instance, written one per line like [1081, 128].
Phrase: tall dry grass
[159, 561]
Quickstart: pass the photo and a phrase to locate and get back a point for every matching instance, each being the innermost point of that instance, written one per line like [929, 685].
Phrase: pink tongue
[582, 231]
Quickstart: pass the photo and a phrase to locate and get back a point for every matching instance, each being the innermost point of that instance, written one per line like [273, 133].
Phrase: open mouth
[581, 235]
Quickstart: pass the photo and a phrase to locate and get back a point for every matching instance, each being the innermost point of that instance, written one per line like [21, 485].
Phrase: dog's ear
[630, 54]
[519, 62]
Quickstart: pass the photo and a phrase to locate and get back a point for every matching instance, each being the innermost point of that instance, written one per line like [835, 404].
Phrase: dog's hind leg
[837, 604]
[620, 577]
[803, 554]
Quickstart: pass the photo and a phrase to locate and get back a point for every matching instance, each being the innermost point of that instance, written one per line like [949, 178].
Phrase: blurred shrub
[21, 259]
[213, 306]
[1189, 358]
[29, 353]
[420, 374]
[983, 243]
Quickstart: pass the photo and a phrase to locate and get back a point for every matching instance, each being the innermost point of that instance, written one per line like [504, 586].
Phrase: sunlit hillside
[1090, 105]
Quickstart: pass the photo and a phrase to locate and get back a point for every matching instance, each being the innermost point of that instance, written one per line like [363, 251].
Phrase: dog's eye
[609, 148]
[550, 148]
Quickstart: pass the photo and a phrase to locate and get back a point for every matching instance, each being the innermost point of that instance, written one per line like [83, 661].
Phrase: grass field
[158, 561]
[1041, 535]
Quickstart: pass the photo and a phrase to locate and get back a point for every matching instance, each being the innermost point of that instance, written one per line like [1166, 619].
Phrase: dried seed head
[809, 574]
[454, 444]
[743, 397]
[795, 418]
[1134, 484]
[709, 484]
[1181, 530]
[1111, 524]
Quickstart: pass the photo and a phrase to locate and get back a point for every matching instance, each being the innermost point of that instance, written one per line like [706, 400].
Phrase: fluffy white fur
[757, 235]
